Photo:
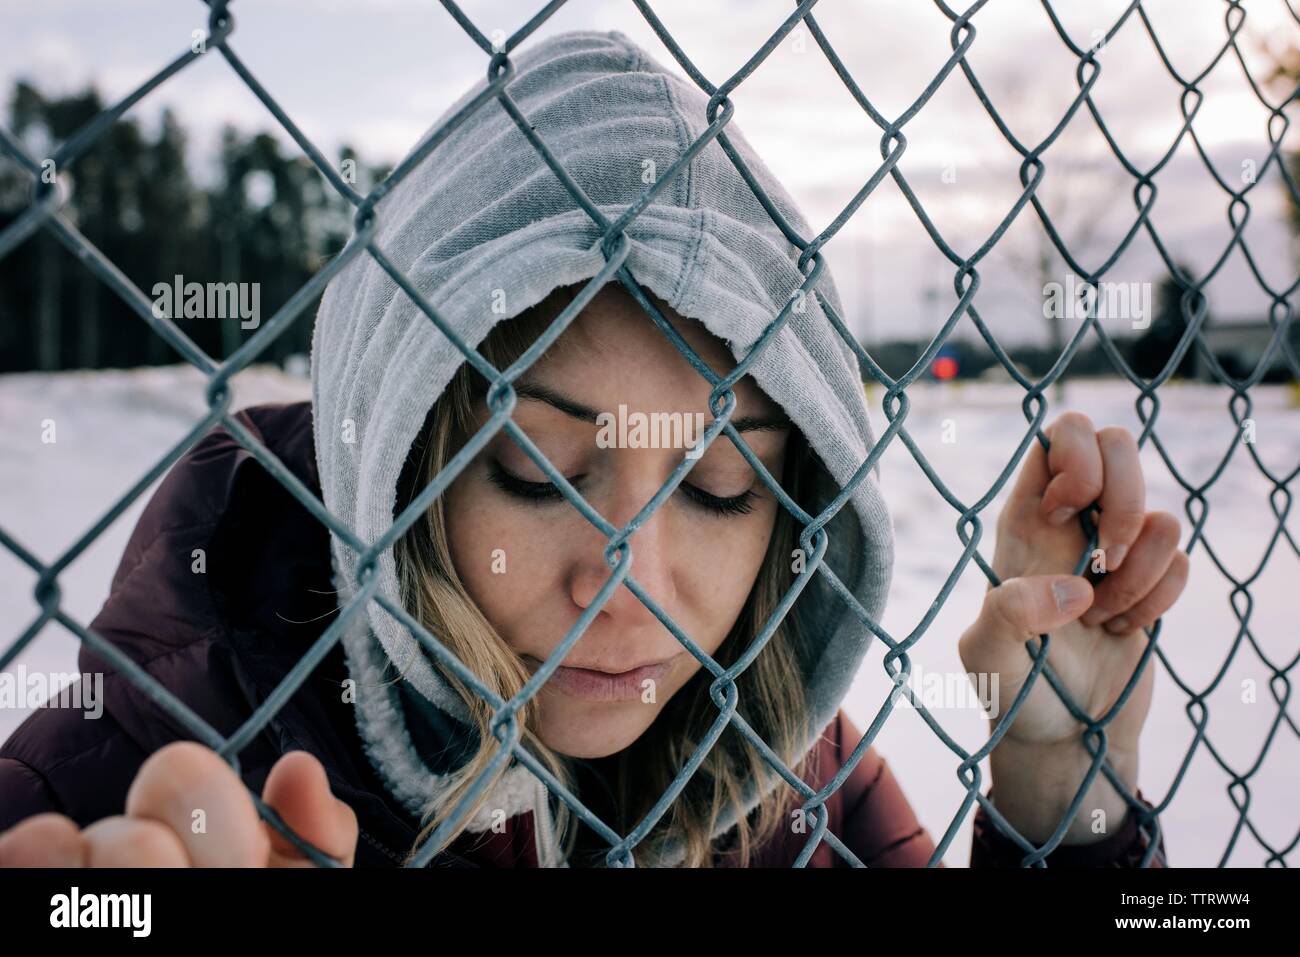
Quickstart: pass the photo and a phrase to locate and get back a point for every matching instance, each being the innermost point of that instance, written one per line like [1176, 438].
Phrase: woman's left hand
[1096, 633]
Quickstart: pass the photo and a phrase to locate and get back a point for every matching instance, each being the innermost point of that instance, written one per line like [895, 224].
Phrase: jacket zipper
[542, 831]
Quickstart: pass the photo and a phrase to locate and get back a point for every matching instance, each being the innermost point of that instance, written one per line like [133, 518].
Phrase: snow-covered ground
[111, 426]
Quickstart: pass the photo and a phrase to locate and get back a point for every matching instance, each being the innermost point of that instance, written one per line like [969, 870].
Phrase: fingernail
[1115, 555]
[1070, 593]
[1060, 516]
[1119, 625]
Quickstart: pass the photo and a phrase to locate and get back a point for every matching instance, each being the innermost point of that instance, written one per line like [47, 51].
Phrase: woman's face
[533, 563]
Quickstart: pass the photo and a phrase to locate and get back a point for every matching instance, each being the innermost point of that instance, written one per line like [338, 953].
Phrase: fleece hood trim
[483, 222]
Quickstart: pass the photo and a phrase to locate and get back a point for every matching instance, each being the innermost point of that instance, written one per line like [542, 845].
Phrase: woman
[375, 758]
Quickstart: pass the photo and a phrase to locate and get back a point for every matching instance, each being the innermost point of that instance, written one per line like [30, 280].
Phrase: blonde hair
[770, 690]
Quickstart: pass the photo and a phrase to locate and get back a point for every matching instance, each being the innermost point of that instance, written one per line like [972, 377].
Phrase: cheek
[499, 553]
[720, 560]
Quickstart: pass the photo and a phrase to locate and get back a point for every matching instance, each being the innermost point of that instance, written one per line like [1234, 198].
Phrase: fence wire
[44, 212]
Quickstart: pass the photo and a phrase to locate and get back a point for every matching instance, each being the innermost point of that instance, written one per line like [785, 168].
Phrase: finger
[43, 840]
[121, 841]
[299, 791]
[1021, 608]
[1123, 495]
[190, 789]
[1147, 563]
[1030, 483]
[1158, 601]
[1075, 466]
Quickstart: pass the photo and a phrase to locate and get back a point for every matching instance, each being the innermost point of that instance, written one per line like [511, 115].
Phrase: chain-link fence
[44, 213]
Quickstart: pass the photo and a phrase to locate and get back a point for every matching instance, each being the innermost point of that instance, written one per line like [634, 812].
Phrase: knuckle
[1165, 594]
[155, 843]
[1011, 607]
[49, 825]
[1123, 589]
[118, 841]
[1125, 525]
[182, 760]
[1117, 438]
[1121, 596]
[1088, 487]
[1164, 529]
[47, 839]
[1179, 568]
[1075, 421]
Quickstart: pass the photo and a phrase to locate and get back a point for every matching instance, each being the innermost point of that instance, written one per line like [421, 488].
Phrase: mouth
[593, 684]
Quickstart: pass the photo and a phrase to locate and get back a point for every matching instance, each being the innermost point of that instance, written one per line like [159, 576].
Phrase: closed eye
[539, 492]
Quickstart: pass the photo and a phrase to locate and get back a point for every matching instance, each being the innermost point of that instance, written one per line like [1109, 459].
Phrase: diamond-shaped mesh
[44, 213]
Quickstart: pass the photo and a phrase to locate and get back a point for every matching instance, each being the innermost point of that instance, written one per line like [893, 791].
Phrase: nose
[653, 563]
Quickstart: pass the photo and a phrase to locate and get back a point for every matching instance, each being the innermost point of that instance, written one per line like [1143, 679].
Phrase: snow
[112, 426]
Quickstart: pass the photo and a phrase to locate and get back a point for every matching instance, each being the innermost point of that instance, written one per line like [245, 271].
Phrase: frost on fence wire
[44, 213]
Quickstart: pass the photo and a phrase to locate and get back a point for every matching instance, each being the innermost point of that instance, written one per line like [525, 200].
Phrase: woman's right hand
[163, 827]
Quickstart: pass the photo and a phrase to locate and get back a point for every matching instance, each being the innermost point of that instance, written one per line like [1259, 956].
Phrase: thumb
[298, 790]
[1021, 608]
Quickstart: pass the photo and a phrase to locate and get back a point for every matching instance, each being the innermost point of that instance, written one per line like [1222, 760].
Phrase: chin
[592, 732]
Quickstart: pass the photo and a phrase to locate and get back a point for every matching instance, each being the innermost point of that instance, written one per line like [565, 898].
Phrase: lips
[590, 684]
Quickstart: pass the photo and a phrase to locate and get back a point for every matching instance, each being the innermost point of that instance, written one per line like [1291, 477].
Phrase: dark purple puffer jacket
[223, 640]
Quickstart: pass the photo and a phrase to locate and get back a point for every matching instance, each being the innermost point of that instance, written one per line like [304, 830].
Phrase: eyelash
[548, 491]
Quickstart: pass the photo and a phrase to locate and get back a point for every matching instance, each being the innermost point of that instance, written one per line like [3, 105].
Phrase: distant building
[1237, 344]
[1240, 345]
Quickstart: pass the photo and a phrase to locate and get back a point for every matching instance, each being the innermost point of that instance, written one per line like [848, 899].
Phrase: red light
[944, 367]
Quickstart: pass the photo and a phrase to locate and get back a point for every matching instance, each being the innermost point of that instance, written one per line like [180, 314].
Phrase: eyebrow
[576, 410]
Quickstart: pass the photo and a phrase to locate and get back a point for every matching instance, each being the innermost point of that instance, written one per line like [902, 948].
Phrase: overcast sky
[376, 74]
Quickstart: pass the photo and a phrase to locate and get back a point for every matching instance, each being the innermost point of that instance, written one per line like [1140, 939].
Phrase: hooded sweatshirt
[483, 222]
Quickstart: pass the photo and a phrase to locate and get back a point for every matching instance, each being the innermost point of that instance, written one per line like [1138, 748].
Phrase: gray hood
[482, 219]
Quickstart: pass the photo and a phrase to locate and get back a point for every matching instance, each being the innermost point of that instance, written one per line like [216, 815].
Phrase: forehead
[614, 349]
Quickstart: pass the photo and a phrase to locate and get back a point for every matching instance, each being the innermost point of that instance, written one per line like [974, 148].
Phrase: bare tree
[1284, 80]
[1085, 179]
